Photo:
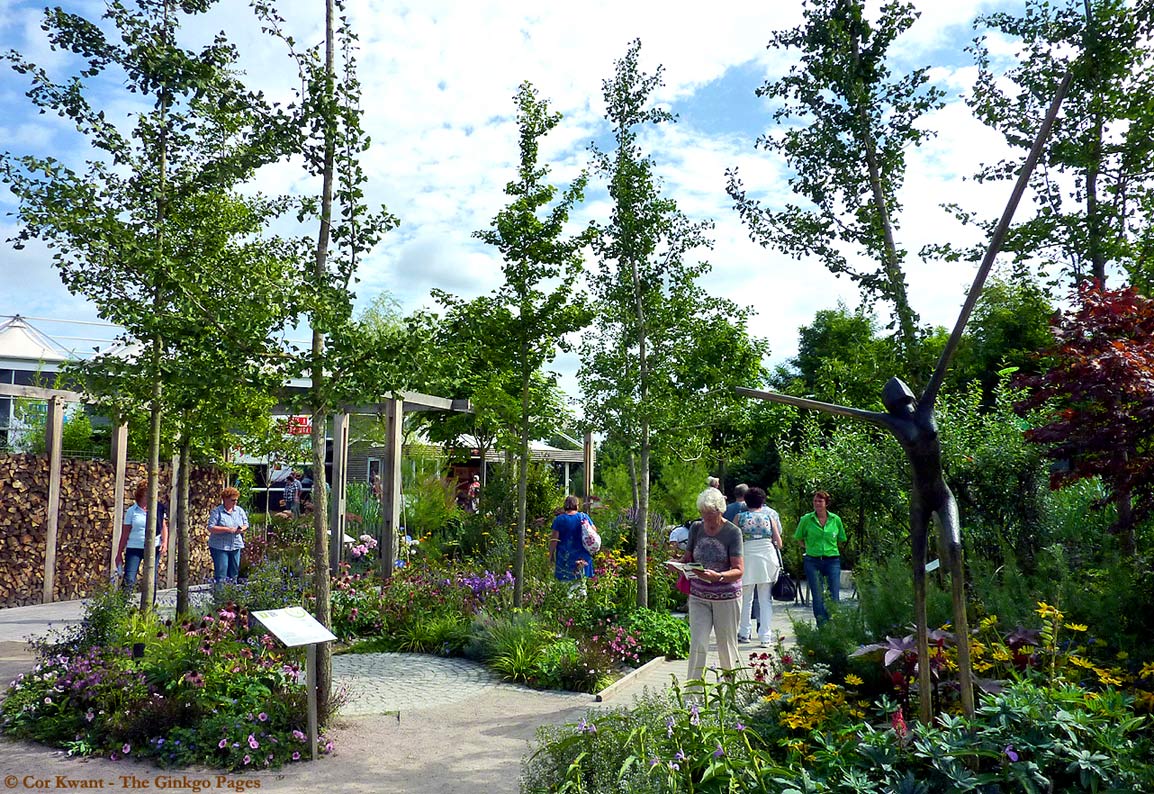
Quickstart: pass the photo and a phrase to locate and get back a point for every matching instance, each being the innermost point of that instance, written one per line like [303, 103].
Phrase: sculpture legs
[951, 550]
[919, 526]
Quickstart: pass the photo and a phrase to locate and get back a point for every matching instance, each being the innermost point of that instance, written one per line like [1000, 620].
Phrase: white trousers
[764, 611]
[721, 618]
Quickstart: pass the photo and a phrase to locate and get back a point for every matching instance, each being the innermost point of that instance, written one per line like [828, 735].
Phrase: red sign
[300, 425]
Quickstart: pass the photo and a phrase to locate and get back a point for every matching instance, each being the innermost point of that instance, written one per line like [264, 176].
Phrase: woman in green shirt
[820, 532]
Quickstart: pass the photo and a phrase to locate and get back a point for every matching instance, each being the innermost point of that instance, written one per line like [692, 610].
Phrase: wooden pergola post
[53, 435]
[337, 502]
[391, 484]
[120, 464]
[588, 449]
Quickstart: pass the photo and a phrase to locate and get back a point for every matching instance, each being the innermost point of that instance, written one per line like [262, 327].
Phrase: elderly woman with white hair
[715, 591]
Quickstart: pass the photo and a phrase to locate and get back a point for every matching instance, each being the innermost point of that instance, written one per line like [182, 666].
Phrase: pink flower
[223, 744]
[296, 756]
[126, 749]
[298, 735]
[263, 717]
[248, 759]
[252, 742]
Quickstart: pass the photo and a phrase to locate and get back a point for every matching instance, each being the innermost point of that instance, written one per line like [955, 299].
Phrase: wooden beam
[391, 484]
[338, 503]
[588, 449]
[53, 431]
[120, 462]
[40, 393]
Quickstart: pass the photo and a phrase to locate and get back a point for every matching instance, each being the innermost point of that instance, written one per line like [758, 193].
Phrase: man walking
[292, 494]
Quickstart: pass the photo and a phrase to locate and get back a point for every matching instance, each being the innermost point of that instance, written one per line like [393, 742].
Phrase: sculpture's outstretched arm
[817, 405]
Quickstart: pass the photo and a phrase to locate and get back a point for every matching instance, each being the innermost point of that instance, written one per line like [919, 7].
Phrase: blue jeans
[829, 569]
[132, 560]
[225, 564]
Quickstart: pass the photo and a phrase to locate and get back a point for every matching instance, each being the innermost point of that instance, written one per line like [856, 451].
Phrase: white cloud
[438, 84]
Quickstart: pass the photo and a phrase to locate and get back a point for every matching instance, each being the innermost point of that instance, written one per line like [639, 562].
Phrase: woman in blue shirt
[226, 526]
[571, 562]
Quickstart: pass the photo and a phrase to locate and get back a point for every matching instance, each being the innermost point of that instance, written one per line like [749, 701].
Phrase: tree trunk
[522, 483]
[895, 278]
[320, 415]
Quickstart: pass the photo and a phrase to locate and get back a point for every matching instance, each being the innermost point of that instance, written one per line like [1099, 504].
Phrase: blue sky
[439, 79]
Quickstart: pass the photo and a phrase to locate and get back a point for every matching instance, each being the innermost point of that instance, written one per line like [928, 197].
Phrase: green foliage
[674, 495]
[543, 495]
[206, 692]
[652, 379]
[658, 633]
[885, 589]
[1094, 172]
[845, 124]
[512, 644]
[809, 737]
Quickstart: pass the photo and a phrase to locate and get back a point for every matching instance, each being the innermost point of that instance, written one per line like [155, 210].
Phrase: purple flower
[126, 749]
[223, 744]
[296, 756]
[694, 715]
[252, 742]
[298, 735]
[680, 756]
[1011, 753]
[262, 717]
[739, 727]
[674, 766]
[248, 759]
[669, 727]
[718, 752]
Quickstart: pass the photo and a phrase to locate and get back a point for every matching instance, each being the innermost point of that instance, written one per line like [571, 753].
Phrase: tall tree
[116, 224]
[1094, 192]
[1100, 390]
[330, 141]
[844, 125]
[537, 306]
[661, 351]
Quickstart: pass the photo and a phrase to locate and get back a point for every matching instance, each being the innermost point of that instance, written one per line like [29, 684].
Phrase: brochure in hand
[686, 568]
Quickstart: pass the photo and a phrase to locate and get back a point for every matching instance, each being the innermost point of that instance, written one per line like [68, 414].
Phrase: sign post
[294, 627]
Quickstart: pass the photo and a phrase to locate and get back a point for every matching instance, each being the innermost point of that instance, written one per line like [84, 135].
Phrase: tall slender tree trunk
[522, 482]
[319, 412]
[898, 294]
[643, 474]
[151, 525]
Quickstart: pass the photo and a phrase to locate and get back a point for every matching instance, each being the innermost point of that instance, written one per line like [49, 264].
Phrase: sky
[439, 77]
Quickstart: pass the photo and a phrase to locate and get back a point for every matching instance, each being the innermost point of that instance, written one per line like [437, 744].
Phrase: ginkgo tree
[127, 226]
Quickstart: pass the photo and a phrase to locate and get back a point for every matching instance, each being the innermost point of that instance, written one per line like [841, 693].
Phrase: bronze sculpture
[911, 420]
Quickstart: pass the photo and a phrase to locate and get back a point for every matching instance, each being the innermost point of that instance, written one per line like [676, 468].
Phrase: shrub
[205, 691]
[658, 633]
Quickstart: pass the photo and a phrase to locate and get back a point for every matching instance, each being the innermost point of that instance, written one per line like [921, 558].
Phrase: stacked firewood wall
[85, 524]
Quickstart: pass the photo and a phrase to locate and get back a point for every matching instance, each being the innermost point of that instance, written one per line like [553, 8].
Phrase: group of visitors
[738, 546]
[227, 524]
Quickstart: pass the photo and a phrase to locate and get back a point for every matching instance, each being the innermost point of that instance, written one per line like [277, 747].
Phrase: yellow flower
[1078, 661]
[1147, 670]
[1077, 626]
[988, 622]
[1044, 611]
[1122, 656]
[853, 680]
[1144, 700]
